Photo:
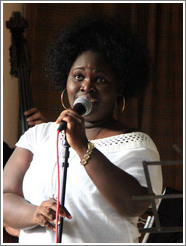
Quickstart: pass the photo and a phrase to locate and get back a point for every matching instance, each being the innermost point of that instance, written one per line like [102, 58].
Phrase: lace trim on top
[127, 140]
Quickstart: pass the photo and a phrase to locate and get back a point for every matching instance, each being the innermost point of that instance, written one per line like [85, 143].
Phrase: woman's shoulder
[44, 128]
[37, 135]
[40, 132]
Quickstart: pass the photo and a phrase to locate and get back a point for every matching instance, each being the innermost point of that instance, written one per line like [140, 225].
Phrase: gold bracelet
[88, 154]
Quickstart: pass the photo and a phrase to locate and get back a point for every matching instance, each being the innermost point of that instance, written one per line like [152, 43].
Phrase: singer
[95, 59]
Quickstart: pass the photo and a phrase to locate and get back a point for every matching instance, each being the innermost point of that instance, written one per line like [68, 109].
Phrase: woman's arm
[17, 212]
[116, 186]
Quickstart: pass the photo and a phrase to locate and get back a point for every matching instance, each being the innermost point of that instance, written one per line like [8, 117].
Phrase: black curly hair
[128, 57]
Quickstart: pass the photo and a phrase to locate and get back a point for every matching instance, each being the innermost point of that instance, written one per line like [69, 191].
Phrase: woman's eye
[100, 80]
[79, 77]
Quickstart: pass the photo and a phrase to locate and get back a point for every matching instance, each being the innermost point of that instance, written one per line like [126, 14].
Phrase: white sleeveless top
[93, 220]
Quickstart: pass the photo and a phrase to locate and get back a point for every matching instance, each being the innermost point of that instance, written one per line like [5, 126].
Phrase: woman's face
[92, 76]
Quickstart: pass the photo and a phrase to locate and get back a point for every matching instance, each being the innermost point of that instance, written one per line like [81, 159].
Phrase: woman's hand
[34, 117]
[75, 131]
[45, 214]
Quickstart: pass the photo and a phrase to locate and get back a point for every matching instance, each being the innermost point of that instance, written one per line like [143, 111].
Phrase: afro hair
[128, 57]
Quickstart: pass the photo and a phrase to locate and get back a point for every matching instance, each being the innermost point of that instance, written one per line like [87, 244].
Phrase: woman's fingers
[49, 213]
[43, 221]
[69, 116]
[46, 214]
[75, 130]
[63, 212]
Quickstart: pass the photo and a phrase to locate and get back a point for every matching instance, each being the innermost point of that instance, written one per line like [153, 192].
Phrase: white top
[93, 220]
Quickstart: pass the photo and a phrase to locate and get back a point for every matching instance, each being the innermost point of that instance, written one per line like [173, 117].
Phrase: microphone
[82, 106]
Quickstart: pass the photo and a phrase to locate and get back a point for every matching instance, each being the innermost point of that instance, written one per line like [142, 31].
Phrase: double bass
[20, 64]
[21, 69]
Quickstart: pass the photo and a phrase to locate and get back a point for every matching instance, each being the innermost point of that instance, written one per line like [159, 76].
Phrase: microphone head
[83, 101]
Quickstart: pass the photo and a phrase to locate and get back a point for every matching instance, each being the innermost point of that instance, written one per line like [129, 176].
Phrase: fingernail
[58, 222]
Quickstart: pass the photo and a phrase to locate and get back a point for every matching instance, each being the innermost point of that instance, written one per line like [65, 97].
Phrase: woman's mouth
[91, 99]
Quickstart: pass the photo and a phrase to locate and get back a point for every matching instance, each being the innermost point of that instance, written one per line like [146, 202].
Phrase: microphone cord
[58, 185]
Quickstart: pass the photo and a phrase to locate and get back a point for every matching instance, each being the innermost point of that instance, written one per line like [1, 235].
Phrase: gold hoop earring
[123, 106]
[118, 102]
[62, 98]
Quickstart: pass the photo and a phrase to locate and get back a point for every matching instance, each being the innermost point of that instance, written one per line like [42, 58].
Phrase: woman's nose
[87, 86]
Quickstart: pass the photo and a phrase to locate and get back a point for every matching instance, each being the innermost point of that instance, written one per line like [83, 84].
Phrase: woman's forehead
[93, 61]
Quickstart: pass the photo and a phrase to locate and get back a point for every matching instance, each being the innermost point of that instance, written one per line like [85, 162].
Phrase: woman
[93, 58]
